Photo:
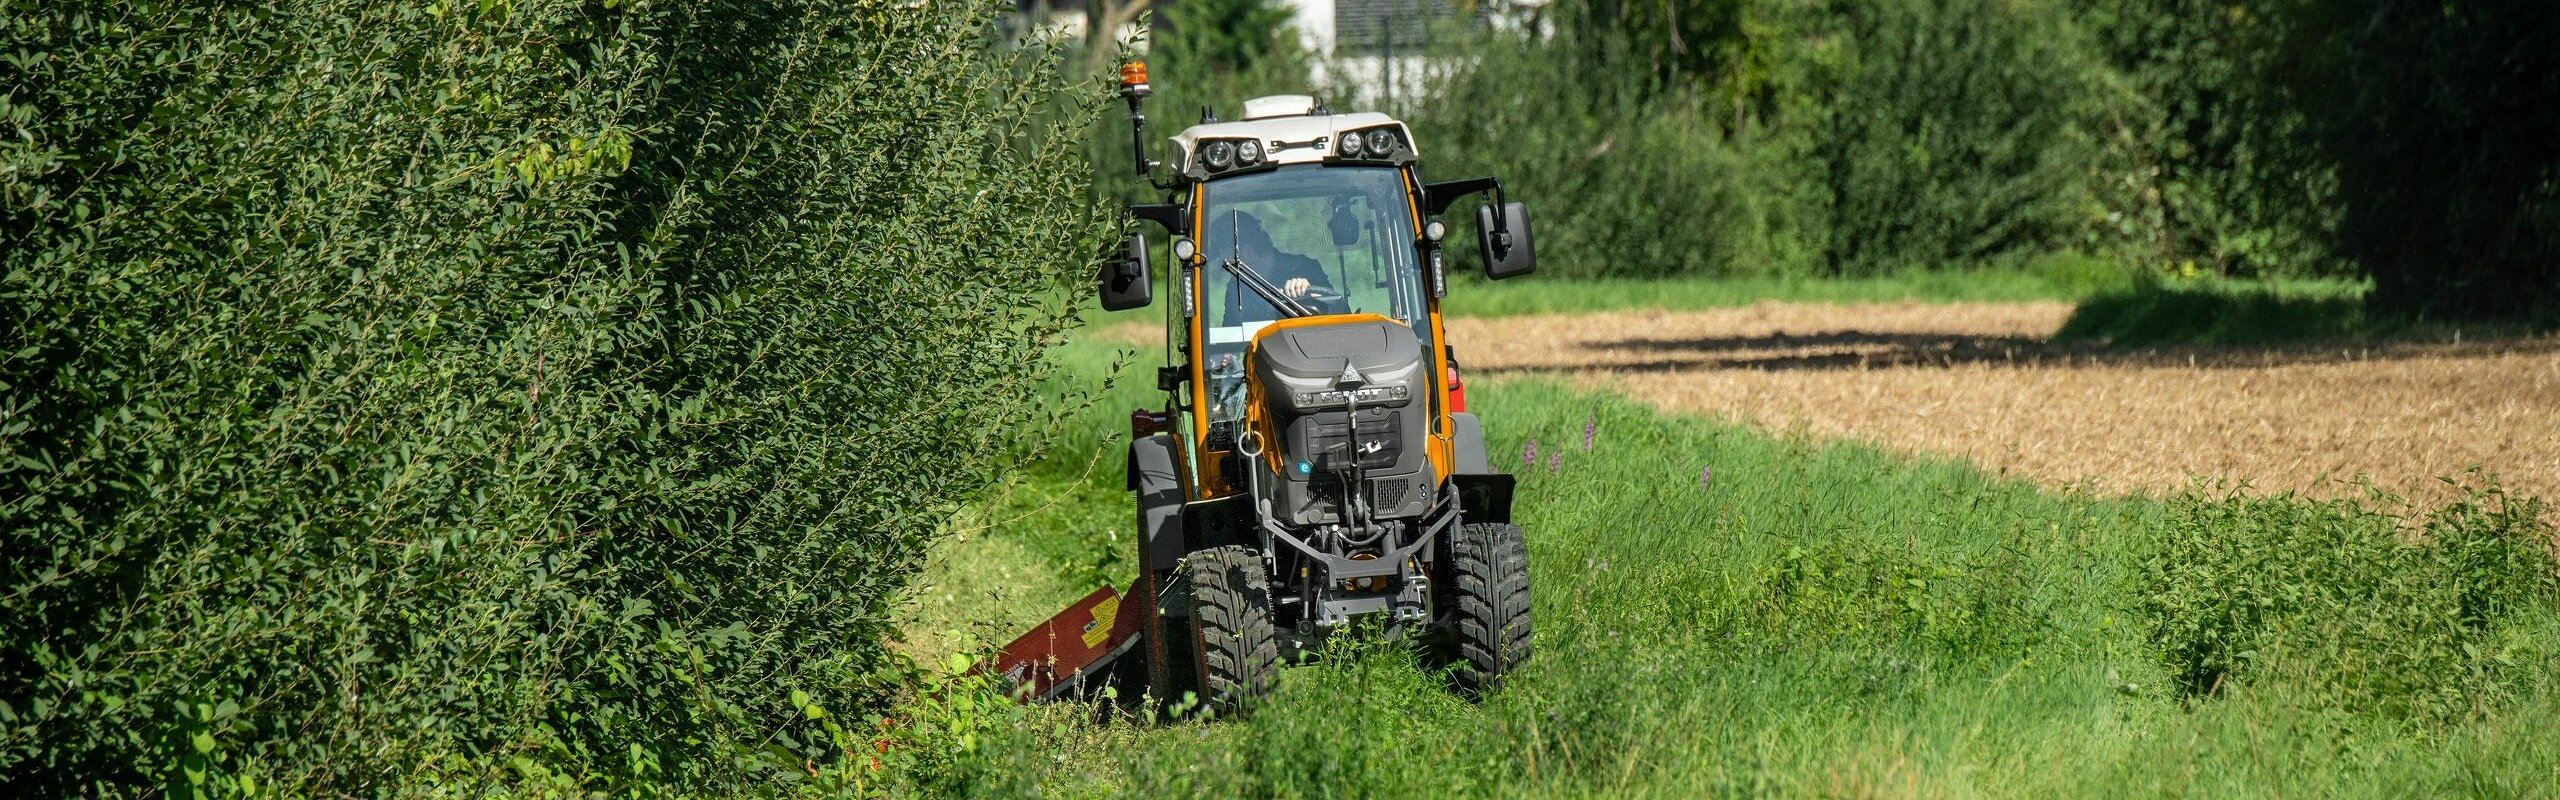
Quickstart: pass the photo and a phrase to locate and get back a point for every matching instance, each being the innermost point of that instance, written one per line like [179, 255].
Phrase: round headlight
[1349, 147]
[1433, 230]
[1249, 153]
[1382, 143]
[1183, 249]
[1218, 154]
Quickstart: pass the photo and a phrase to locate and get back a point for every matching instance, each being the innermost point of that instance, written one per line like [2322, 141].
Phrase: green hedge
[1797, 137]
[497, 392]
[1780, 138]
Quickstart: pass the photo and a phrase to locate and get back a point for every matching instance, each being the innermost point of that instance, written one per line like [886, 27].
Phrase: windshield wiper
[1253, 280]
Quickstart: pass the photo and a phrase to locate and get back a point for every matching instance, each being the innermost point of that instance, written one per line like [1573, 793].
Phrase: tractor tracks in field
[1981, 381]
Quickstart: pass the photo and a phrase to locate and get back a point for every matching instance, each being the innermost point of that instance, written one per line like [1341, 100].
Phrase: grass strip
[1722, 610]
[1536, 295]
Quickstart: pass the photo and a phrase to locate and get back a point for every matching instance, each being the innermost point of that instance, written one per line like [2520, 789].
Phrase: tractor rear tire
[1489, 634]
[1237, 654]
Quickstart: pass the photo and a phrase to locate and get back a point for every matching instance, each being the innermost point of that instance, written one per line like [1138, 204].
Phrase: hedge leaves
[475, 391]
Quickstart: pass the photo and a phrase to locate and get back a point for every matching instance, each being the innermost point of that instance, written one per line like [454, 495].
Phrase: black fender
[1159, 496]
[1466, 436]
[1483, 494]
[1483, 498]
[1158, 491]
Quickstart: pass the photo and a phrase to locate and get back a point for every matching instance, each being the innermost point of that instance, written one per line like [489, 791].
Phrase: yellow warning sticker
[1100, 628]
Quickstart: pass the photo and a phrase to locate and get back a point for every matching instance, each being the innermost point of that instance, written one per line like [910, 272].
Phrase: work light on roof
[1248, 153]
[1218, 153]
[1382, 142]
[1349, 145]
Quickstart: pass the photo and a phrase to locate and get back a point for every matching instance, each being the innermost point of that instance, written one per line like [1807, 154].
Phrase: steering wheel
[1325, 300]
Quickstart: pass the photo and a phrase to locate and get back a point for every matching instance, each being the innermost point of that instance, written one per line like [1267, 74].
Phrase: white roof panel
[1286, 140]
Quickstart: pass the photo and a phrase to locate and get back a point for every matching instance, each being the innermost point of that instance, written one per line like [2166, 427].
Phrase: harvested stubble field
[1980, 380]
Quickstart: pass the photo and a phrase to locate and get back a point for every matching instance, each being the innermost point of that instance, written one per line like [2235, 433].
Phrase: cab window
[1337, 240]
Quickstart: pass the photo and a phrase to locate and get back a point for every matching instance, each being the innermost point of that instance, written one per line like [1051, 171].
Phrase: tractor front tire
[1489, 631]
[1237, 654]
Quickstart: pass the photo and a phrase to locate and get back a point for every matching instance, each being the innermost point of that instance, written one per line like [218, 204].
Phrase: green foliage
[1681, 43]
[2443, 123]
[1960, 133]
[1205, 56]
[1622, 183]
[935, 739]
[1783, 137]
[2348, 599]
[2227, 181]
[1797, 139]
[540, 393]
[1216, 39]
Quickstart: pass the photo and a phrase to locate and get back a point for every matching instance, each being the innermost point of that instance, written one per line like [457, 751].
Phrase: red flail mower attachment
[1059, 654]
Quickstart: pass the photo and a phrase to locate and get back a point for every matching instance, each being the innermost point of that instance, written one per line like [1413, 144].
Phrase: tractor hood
[1313, 367]
[1311, 377]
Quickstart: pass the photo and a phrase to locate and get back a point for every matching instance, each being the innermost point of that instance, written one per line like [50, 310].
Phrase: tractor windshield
[1336, 240]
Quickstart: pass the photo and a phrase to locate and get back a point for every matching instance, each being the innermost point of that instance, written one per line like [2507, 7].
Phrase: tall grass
[1729, 611]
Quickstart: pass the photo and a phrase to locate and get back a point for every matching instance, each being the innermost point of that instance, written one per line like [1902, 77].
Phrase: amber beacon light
[1133, 88]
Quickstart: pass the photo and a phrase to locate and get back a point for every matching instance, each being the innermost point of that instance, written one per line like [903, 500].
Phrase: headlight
[1382, 143]
[1335, 397]
[1349, 147]
[1219, 154]
[1249, 153]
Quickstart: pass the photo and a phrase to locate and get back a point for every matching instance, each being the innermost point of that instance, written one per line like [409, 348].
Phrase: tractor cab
[1329, 241]
[1313, 463]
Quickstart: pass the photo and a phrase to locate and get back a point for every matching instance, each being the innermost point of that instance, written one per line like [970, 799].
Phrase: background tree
[2443, 120]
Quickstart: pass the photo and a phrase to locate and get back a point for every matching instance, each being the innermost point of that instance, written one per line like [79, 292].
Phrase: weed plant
[2372, 609]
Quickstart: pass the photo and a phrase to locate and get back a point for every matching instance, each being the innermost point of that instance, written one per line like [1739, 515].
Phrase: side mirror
[1504, 235]
[1126, 281]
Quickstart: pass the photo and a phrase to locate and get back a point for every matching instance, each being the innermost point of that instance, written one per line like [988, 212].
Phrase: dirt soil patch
[1979, 381]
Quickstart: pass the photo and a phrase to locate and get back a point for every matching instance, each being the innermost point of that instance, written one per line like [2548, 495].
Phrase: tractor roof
[1287, 126]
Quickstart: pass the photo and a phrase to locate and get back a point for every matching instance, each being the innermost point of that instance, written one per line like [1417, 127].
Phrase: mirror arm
[1438, 197]
[1167, 215]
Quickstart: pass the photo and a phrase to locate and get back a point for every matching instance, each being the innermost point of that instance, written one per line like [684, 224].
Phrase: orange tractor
[1314, 462]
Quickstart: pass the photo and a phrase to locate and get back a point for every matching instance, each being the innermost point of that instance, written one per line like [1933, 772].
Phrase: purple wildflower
[1590, 428]
[1705, 475]
[1555, 462]
[1529, 455]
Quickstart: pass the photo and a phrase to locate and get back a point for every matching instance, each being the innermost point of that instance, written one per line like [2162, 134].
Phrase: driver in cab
[1298, 277]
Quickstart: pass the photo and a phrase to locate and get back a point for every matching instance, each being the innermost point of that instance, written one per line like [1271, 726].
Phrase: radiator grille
[1388, 494]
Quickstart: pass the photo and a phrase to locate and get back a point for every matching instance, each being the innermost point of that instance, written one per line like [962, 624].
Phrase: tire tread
[1234, 645]
[1491, 627]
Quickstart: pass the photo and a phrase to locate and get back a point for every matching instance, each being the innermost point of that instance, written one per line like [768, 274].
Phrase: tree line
[2413, 144]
